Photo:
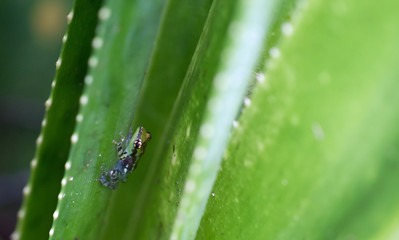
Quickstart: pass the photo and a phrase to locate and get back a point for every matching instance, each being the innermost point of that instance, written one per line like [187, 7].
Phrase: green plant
[308, 152]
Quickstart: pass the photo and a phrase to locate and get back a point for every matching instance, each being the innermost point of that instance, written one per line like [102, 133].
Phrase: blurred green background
[30, 44]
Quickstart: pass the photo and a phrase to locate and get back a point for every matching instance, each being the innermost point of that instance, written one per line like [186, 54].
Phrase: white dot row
[97, 43]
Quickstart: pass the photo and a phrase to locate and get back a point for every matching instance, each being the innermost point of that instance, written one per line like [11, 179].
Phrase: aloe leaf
[241, 51]
[181, 26]
[53, 143]
[117, 68]
[314, 156]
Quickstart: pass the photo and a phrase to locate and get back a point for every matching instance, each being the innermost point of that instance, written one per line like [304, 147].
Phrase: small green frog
[129, 151]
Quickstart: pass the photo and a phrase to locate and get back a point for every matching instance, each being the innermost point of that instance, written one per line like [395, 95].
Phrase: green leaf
[314, 156]
[122, 49]
[239, 55]
[181, 26]
[53, 143]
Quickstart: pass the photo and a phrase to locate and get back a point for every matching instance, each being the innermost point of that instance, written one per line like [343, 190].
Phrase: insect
[129, 152]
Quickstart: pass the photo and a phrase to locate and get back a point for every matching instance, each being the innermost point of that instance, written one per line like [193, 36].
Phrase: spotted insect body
[129, 152]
